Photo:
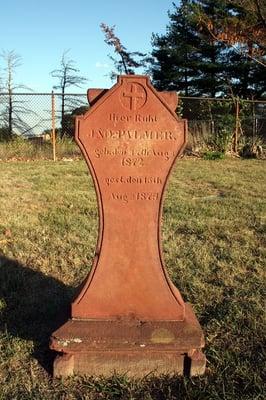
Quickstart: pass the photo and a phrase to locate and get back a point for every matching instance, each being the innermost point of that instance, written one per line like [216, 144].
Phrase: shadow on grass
[33, 305]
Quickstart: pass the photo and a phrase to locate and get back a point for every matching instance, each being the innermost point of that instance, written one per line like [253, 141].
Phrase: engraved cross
[133, 96]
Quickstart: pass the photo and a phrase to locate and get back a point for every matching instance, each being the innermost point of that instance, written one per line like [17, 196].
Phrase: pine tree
[174, 54]
[186, 59]
[192, 57]
[239, 26]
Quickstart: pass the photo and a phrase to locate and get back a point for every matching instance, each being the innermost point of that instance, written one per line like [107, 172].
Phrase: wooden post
[53, 126]
[254, 130]
[236, 126]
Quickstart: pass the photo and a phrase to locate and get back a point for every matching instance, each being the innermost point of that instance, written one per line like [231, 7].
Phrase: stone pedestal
[134, 347]
[129, 317]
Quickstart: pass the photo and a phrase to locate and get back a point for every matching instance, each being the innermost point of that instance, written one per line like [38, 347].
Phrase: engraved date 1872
[132, 162]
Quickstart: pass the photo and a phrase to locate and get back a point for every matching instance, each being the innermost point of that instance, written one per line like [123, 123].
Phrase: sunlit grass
[213, 226]
[21, 149]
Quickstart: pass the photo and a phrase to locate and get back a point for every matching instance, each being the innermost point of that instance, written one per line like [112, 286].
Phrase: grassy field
[21, 149]
[213, 221]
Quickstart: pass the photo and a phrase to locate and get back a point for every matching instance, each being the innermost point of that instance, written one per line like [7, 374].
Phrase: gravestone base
[132, 347]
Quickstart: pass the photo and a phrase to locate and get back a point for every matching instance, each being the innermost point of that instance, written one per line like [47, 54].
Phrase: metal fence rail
[213, 122]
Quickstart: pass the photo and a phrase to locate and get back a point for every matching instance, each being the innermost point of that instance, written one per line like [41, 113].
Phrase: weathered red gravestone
[129, 317]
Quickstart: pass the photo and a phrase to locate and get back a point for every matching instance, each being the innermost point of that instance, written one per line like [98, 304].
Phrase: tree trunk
[63, 124]
[10, 115]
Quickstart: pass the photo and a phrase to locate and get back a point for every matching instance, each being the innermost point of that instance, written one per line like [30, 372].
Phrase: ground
[213, 221]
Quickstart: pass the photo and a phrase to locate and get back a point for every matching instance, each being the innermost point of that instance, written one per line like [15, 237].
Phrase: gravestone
[129, 317]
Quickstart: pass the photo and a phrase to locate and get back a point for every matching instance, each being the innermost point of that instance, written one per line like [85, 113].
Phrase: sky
[40, 31]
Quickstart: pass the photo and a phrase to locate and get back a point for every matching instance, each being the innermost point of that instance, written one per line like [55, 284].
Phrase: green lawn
[213, 221]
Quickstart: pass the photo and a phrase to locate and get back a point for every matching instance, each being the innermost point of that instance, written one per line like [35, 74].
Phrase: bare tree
[68, 76]
[127, 63]
[15, 109]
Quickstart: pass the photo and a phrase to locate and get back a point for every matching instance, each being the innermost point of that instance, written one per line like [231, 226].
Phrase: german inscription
[130, 138]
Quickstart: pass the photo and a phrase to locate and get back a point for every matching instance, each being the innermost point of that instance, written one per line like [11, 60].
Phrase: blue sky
[40, 31]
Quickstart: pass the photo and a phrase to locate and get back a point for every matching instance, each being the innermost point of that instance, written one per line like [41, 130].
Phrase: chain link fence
[224, 124]
[214, 124]
[29, 115]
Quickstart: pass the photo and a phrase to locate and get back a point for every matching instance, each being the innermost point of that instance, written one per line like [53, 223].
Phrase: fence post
[254, 122]
[53, 126]
[235, 148]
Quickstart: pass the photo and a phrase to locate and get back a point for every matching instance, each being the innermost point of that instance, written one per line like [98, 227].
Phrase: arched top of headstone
[134, 93]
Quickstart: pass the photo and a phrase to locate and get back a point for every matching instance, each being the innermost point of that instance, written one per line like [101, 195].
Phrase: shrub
[213, 155]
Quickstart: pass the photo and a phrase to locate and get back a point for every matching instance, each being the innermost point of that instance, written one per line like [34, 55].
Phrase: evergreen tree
[186, 59]
[239, 26]
[175, 53]
[192, 58]
[246, 77]
[242, 27]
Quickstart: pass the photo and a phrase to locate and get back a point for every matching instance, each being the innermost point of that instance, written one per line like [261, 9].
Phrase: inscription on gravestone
[129, 317]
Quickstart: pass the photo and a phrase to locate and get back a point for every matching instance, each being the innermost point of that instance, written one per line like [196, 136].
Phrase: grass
[23, 149]
[213, 221]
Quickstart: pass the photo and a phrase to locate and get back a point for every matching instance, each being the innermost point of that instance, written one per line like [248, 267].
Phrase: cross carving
[134, 95]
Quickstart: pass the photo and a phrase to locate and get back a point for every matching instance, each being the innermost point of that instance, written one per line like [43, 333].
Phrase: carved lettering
[133, 157]
[145, 118]
[113, 117]
[130, 134]
[117, 151]
[147, 196]
[144, 152]
[132, 162]
[140, 180]
[139, 196]
[120, 196]
[117, 118]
